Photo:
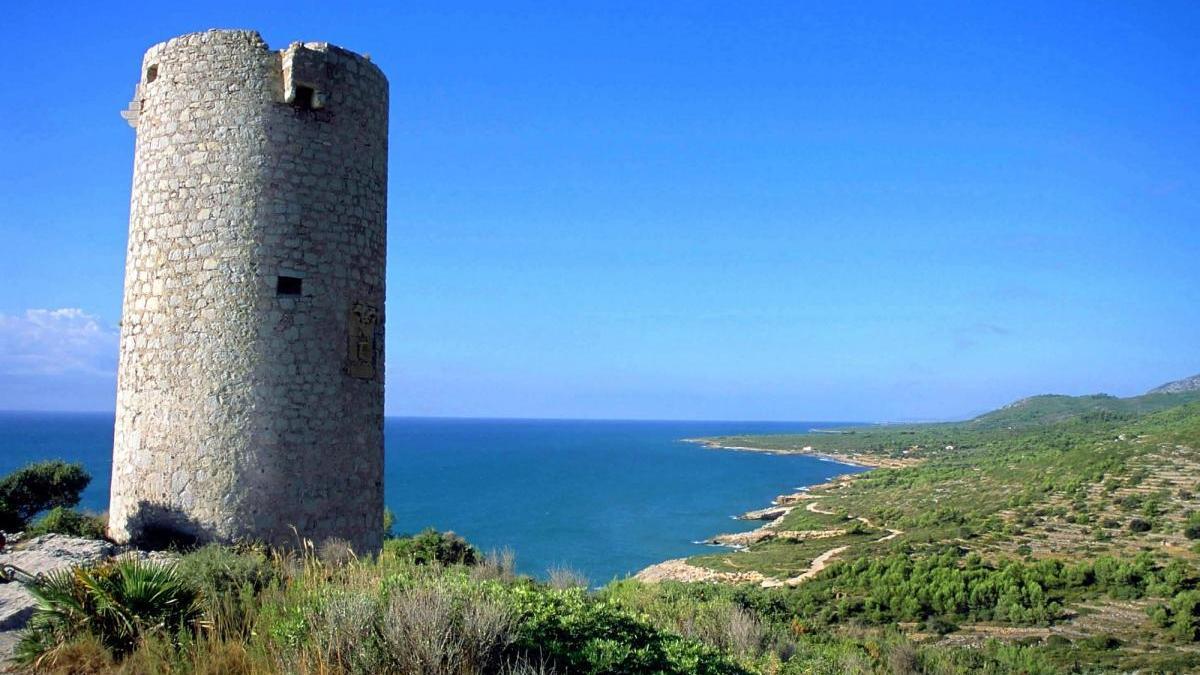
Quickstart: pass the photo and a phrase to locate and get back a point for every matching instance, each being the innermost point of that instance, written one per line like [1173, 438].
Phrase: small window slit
[289, 286]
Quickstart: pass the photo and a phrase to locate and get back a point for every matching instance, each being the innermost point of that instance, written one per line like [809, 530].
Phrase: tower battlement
[313, 69]
[250, 385]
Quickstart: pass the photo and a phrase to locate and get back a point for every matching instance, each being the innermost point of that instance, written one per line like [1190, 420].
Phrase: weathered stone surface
[250, 387]
[8, 642]
[769, 513]
[680, 569]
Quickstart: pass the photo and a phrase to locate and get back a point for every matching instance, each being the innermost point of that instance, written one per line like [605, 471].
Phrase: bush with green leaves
[39, 487]
[229, 582]
[62, 520]
[580, 634]
[119, 603]
[433, 547]
[1180, 616]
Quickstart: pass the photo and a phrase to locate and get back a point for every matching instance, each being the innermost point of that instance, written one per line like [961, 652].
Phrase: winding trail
[822, 561]
[681, 570]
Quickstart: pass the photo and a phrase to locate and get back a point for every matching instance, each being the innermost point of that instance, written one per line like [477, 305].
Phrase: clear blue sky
[726, 210]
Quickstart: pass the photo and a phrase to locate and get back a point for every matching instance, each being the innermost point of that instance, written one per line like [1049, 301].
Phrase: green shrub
[39, 487]
[1181, 616]
[228, 582]
[119, 603]
[62, 520]
[580, 635]
[215, 569]
[1138, 525]
[433, 547]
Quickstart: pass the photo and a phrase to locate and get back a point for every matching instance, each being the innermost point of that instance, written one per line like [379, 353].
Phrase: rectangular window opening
[304, 97]
[290, 286]
[151, 73]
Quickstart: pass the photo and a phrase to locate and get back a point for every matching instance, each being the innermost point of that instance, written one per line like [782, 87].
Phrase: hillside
[1049, 409]
[1068, 525]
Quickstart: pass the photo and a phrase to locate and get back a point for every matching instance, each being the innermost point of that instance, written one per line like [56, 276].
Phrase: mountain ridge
[1051, 408]
[1187, 384]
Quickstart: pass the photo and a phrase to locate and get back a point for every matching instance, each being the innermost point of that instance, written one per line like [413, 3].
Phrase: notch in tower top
[304, 98]
[305, 77]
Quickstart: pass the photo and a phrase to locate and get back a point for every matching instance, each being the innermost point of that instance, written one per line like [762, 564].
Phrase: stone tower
[250, 388]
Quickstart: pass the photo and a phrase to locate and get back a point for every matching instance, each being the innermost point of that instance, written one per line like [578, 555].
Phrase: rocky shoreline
[679, 569]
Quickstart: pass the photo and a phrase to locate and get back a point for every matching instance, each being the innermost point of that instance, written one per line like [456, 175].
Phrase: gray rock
[8, 641]
[1178, 386]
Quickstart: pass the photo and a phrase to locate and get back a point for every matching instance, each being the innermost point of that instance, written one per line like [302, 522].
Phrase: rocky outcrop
[681, 570]
[1178, 386]
[743, 539]
[769, 513]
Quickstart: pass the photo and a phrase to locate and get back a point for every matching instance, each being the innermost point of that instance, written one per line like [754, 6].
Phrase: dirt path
[892, 534]
[681, 570]
[822, 561]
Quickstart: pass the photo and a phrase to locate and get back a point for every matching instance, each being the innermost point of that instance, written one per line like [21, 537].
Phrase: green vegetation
[254, 611]
[61, 520]
[37, 488]
[1061, 525]
[118, 604]
[249, 610]
[1052, 409]
[1058, 536]
[431, 546]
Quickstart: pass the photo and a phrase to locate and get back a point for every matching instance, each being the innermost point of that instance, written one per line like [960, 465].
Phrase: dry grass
[565, 577]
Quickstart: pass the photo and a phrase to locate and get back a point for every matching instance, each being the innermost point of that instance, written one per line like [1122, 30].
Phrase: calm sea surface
[604, 498]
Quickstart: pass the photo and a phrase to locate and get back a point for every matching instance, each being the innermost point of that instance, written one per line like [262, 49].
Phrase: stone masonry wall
[250, 387]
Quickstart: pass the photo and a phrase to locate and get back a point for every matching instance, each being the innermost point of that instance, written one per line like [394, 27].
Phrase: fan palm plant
[119, 603]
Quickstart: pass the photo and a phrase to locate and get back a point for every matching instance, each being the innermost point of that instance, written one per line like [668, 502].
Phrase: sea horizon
[604, 497]
[485, 418]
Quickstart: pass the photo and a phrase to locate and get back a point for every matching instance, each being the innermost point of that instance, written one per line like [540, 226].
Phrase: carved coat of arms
[361, 348]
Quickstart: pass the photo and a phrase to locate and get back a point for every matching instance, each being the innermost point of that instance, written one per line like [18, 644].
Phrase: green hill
[1064, 526]
[1052, 408]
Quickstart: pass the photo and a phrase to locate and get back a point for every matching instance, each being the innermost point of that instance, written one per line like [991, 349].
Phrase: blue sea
[606, 498]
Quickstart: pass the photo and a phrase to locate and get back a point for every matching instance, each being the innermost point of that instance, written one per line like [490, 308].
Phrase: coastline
[679, 569]
[852, 459]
